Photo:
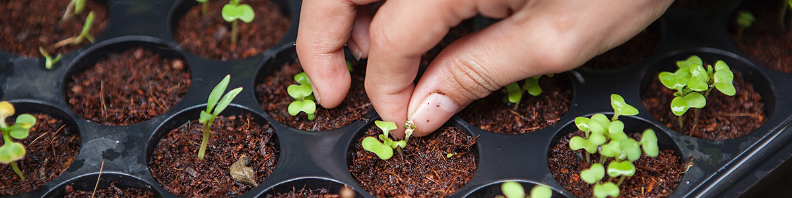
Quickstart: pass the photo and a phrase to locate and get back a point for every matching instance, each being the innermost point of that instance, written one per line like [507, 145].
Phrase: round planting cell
[41, 163]
[237, 136]
[308, 187]
[654, 176]
[767, 41]
[723, 116]
[494, 189]
[110, 184]
[126, 82]
[210, 36]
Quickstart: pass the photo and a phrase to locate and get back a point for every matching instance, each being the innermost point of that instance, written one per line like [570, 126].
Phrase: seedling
[744, 20]
[303, 96]
[624, 150]
[512, 189]
[12, 151]
[208, 116]
[204, 7]
[84, 34]
[515, 92]
[691, 80]
[783, 19]
[233, 11]
[75, 7]
[49, 61]
[384, 149]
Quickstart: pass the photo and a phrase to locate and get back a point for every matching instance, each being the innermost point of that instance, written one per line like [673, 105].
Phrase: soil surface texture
[111, 191]
[210, 36]
[304, 193]
[631, 52]
[128, 88]
[765, 41]
[654, 176]
[464, 28]
[50, 148]
[273, 98]
[533, 113]
[724, 117]
[422, 169]
[175, 165]
[28, 25]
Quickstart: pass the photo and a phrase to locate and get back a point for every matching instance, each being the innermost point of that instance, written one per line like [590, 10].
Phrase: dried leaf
[241, 172]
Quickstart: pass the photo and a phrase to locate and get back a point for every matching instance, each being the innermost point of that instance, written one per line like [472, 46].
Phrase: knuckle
[472, 78]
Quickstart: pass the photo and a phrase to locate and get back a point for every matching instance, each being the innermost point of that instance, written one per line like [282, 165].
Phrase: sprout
[384, 149]
[208, 116]
[512, 189]
[606, 189]
[49, 61]
[691, 79]
[75, 7]
[303, 96]
[233, 11]
[85, 34]
[744, 20]
[12, 151]
[515, 92]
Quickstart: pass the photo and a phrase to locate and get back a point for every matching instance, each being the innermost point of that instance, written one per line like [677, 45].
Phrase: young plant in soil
[303, 96]
[233, 11]
[75, 7]
[620, 151]
[49, 61]
[515, 92]
[512, 189]
[744, 20]
[208, 116]
[12, 151]
[691, 80]
[384, 149]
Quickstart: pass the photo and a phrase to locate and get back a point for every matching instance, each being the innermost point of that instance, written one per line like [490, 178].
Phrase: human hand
[535, 37]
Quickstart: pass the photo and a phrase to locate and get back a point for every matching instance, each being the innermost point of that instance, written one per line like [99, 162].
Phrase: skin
[534, 37]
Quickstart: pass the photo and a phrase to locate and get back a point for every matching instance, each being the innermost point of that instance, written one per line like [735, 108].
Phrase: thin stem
[680, 123]
[621, 180]
[695, 118]
[69, 9]
[782, 14]
[602, 160]
[234, 32]
[16, 170]
[205, 8]
[206, 127]
[588, 157]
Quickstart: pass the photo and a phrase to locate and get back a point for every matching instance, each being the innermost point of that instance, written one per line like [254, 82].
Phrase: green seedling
[233, 11]
[607, 137]
[214, 106]
[691, 80]
[783, 20]
[204, 7]
[744, 20]
[303, 96]
[515, 92]
[75, 7]
[12, 151]
[49, 61]
[384, 149]
[512, 189]
[85, 34]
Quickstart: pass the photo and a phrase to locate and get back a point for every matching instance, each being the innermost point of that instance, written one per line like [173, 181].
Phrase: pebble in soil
[175, 165]
[533, 113]
[766, 42]
[654, 176]
[424, 167]
[111, 191]
[210, 36]
[724, 117]
[50, 148]
[28, 25]
[127, 88]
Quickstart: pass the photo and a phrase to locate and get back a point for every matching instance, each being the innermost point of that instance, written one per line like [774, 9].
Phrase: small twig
[97, 179]
[517, 114]
[34, 140]
[101, 97]
[64, 42]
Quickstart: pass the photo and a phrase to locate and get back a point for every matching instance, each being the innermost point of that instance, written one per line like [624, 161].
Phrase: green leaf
[594, 174]
[605, 190]
[299, 92]
[597, 139]
[602, 119]
[723, 78]
[576, 143]
[726, 88]
[679, 106]
[612, 149]
[596, 127]
[620, 107]
[205, 117]
[631, 150]
[687, 63]
[590, 147]
[400, 143]
[302, 78]
[745, 18]
[695, 100]
[532, 86]
[217, 92]
[371, 144]
[79, 6]
[698, 72]
[649, 143]
[696, 84]
[230, 12]
[385, 126]
[86, 30]
[616, 169]
[6, 109]
[247, 13]
[541, 191]
[25, 121]
[671, 81]
[200, 1]
[616, 129]
[307, 106]
[515, 93]
[512, 189]
[11, 151]
[226, 100]
[582, 124]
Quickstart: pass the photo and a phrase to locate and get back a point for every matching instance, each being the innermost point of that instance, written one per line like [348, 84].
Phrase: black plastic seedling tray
[723, 168]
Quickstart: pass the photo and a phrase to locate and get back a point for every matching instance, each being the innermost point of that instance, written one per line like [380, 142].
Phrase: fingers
[359, 42]
[540, 38]
[325, 26]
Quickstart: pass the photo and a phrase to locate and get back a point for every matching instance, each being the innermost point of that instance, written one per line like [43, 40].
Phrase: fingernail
[432, 113]
[355, 50]
[316, 94]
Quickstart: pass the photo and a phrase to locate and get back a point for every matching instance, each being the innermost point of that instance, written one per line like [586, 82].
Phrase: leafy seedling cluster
[12, 151]
[515, 92]
[303, 96]
[744, 20]
[607, 137]
[74, 7]
[214, 106]
[691, 80]
[384, 149]
[233, 11]
[512, 189]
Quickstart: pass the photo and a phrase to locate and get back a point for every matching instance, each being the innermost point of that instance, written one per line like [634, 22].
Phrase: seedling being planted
[303, 96]
[214, 106]
[515, 92]
[12, 151]
[624, 150]
[233, 11]
[691, 80]
[384, 149]
[75, 7]
[744, 20]
[49, 61]
[512, 189]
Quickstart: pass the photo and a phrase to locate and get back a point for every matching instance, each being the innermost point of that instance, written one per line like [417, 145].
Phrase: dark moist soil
[199, 35]
[533, 113]
[273, 98]
[724, 117]
[50, 148]
[175, 165]
[464, 28]
[304, 193]
[128, 88]
[631, 52]
[422, 169]
[26, 25]
[111, 191]
[654, 177]
[765, 42]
